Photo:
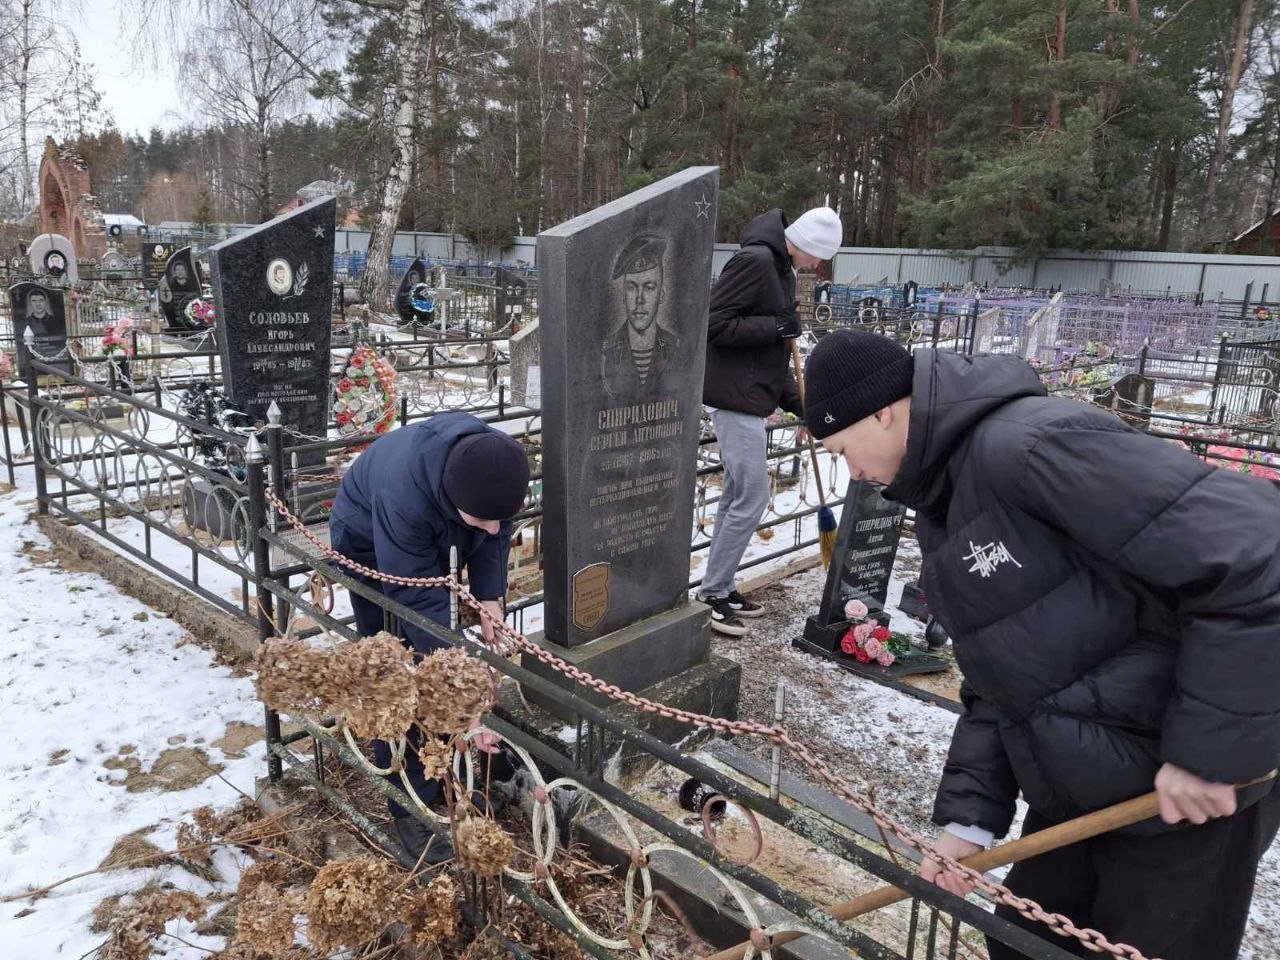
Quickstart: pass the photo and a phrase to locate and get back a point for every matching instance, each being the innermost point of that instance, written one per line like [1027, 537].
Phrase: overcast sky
[139, 94]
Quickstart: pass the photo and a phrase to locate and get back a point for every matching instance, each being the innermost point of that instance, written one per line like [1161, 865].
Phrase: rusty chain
[1060, 924]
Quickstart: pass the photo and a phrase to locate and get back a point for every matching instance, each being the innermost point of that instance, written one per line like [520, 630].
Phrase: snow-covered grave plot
[117, 725]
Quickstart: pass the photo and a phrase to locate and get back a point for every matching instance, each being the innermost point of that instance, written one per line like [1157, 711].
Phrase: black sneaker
[724, 619]
[420, 843]
[744, 607]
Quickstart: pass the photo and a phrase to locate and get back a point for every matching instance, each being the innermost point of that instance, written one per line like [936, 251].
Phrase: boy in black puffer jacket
[1115, 608]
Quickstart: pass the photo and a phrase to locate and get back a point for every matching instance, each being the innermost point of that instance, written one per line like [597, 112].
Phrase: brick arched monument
[67, 203]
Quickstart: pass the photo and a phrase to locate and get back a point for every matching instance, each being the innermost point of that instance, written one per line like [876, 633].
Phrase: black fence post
[37, 445]
[4, 431]
[1217, 372]
[255, 461]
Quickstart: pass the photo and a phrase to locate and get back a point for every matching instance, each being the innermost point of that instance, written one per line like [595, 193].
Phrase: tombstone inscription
[866, 544]
[41, 310]
[273, 286]
[623, 297]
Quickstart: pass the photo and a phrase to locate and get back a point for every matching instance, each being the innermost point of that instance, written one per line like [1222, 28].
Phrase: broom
[1032, 845]
[826, 519]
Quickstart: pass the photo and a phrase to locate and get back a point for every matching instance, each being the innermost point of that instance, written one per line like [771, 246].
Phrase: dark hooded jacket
[1114, 601]
[392, 504]
[748, 364]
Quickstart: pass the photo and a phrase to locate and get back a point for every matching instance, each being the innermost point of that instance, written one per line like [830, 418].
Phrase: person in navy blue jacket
[450, 481]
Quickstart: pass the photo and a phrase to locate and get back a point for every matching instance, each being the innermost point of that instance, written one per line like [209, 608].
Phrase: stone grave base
[710, 688]
[635, 657]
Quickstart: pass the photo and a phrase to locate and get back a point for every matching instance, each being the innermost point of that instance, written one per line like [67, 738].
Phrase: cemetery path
[881, 739]
[115, 723]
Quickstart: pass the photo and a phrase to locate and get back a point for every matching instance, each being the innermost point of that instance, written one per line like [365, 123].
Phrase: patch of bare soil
[178, 768]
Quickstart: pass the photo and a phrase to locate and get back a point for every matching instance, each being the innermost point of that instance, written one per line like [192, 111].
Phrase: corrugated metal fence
[1213, 276]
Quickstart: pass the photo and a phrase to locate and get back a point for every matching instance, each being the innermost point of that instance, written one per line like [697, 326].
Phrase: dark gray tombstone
[623, 296]
[182, 283]
[1130, 397]
[273, 288]
[42, 310]
[509, 302]
[417, 273]
[861, 568]
[910, 290]
[862, 565]
[155, 256]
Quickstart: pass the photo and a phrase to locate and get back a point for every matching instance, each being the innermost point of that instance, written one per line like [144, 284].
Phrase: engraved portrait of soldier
[639, 347]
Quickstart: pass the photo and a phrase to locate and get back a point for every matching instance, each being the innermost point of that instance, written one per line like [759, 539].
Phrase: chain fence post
[256, 462]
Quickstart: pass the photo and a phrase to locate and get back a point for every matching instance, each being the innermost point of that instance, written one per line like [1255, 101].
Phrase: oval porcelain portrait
[279, 276]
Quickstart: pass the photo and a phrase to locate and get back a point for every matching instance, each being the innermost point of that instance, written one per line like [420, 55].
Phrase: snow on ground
[113, 720]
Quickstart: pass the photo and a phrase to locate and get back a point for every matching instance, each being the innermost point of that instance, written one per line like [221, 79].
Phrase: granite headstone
[272, 287]
[417, 273]
[154, 258]
[509, 301]
[861, 568]
[41, 309]
[1130, 397]
[623, 298]
[866, 545]
[181, 284]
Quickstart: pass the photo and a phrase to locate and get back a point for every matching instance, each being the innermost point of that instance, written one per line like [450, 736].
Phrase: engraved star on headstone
[703, 206]
[320, 232]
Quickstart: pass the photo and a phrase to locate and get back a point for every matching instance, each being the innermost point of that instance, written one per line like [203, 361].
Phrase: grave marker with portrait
[273, 289]
[623, 298]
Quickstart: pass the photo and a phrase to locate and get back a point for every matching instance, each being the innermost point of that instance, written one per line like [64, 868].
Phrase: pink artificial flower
[874, 648]
[862, 632]
[886, 658]
[855, 610]
[861, 655]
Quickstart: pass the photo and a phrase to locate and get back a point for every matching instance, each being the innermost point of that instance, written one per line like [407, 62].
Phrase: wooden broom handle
[813, 453]
[1042, 841]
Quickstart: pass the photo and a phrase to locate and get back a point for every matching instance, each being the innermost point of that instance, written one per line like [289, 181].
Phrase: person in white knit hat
[748, 376]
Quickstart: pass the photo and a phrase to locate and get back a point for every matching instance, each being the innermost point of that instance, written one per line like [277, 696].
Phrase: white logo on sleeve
[828, 419]
[986, 559]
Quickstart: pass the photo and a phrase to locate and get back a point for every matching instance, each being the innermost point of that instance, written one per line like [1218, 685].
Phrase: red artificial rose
[343, 417]
[861, 655]
[344, 384]
[881, 633]
[848, 643]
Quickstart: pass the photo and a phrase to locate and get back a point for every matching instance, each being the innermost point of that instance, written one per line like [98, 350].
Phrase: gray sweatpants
[743, 497]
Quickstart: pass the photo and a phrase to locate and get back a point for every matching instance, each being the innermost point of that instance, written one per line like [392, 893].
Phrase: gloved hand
[788, 325]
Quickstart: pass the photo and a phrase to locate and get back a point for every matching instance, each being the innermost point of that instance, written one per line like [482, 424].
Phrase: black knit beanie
[850, 375]
[487, 475]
